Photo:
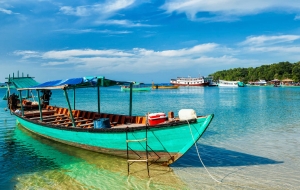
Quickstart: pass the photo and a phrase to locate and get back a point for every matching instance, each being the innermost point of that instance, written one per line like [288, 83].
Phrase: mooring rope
[200, 156]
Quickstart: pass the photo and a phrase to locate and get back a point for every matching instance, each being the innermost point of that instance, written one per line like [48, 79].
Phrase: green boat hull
[136, 89]
[167, 142]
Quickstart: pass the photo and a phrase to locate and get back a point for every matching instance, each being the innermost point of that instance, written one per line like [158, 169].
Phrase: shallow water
[252, 143]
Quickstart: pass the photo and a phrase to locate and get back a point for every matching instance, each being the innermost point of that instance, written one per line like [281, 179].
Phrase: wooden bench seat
[49, 119]
[37, 113]
[60, 121]
[45, 116]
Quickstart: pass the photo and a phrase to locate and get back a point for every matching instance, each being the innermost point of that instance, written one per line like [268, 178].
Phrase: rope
[200, 156]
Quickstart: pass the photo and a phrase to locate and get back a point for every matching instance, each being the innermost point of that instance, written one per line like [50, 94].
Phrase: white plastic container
[187, 114]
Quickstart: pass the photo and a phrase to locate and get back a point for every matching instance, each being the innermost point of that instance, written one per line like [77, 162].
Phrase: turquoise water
[252, 143]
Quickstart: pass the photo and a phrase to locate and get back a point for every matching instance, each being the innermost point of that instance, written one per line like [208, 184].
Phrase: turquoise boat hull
[136, 89]
[167, 142]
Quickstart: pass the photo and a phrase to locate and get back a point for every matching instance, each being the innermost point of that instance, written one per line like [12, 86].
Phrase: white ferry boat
[258, 83]
[190, 81]
[224, 83]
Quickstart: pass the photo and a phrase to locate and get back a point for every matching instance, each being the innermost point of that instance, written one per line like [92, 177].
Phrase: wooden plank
[60, 121]
[37, 113]
[80, 121]
[86, 125]
[46, 117]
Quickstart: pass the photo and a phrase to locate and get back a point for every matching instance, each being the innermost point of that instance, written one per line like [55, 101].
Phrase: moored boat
[224, 83]
[190, 81]
[164, 86]
[168, 138]
[136, 87]
[258, 83]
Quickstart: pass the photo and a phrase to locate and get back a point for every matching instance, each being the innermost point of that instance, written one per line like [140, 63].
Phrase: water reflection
[42, 163]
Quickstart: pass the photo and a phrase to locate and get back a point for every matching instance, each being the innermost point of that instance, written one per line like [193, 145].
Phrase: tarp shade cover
[83, 82]
[23, 82]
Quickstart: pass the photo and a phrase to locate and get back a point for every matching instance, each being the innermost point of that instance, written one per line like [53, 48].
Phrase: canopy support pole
[22, 110]
[40, 107]
[74, 96]
[98, 96]
[69, 106]
[8, 95]
[130, 100]
[27, 94]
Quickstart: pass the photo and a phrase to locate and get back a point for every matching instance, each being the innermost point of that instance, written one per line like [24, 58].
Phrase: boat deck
[83, 119]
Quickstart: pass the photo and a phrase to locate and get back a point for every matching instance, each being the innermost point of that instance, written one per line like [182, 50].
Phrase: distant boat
[136, 87]
[224, 83]
[164, 86]
[212, 84]
[258, 83]
[190, 81]
[5, 86]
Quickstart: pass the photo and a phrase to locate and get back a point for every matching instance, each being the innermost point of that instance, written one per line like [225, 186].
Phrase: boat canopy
[83, 82]
[22, 82]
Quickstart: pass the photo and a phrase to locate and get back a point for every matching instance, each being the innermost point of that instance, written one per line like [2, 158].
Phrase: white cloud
[6, 11]
[277, 49]
[77, 53]
[27, 54]
[269, 40]
[103, 10]
[228, 8]
[113, 6]
[77, 11]
[100, 14]
[125, 23]
[135, 60]
[254, 51]
[272, 48]
[194, 51]
[81, 31]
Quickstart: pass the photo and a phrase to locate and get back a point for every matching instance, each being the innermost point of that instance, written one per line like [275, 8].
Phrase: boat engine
[46, 96]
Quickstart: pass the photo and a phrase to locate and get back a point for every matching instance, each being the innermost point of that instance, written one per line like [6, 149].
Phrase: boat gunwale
[112, 129]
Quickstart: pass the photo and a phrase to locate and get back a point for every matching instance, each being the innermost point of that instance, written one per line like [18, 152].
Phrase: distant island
[279, 71]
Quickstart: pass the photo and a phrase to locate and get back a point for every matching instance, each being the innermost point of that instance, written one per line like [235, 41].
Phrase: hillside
[281, 70]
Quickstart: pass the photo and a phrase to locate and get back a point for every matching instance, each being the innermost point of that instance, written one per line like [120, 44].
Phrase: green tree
[279, 71]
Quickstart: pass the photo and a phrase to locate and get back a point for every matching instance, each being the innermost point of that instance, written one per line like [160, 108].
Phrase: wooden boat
[224, 83]
[164, 86]
[154, 138]
[190, 81]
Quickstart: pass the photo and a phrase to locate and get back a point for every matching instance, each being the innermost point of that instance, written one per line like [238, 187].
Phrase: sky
[144, 40]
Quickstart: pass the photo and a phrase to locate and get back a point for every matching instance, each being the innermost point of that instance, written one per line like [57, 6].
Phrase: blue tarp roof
[54, 83]
[82, 82]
